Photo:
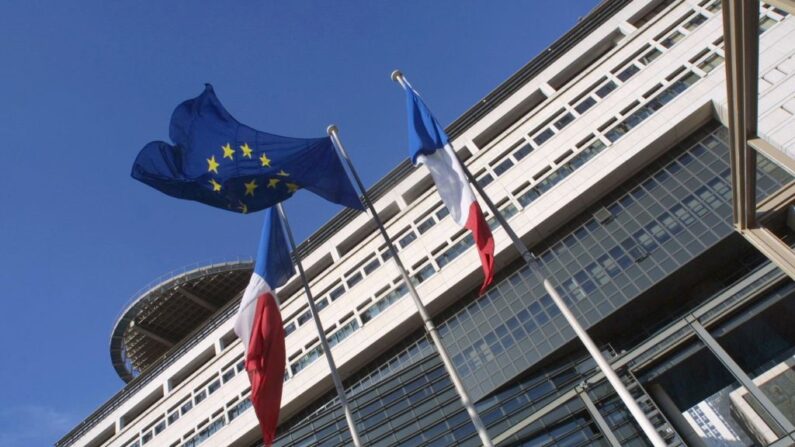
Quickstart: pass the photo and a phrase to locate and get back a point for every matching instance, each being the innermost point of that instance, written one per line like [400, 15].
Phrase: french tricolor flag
[429, 145]
[259, 324]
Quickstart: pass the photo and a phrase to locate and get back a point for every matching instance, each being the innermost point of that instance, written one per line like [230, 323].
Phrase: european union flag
[221, 162]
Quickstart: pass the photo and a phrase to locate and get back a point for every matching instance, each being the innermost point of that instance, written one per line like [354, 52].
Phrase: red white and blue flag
[259, 324]
[429, 145]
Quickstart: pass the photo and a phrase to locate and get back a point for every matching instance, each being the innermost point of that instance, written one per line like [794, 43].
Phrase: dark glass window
[428, 223]
[606, 89]
[584, 105]
[564, 120]
[628, 72]
[523, 151]
[304, 317]
[485, 180]
[542, 137]
[503, 166]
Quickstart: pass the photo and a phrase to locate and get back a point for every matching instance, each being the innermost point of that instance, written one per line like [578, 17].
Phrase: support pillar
[674, 416]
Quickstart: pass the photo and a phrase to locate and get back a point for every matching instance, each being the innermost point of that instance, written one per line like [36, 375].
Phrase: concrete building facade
[609, 155]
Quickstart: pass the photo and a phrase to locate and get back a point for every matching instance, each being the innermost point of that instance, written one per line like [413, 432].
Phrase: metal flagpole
[335, 376]
[535, 266]
[426, 318]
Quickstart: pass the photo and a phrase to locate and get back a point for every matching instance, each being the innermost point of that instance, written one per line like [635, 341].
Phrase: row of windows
[389, 295]
[198, 395]
[220, 419]
[660, 95]
[611, 131]
[208, 427]
[616, 77]
[645, 240]
[645, 234]
[557, 122]
[418, 406]
[369, 265]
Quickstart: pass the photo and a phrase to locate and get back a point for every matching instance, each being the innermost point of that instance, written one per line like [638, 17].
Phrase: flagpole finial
[332, 129]
[396, 76]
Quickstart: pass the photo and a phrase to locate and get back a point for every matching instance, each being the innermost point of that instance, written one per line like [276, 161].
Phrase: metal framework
[741, 33]
[170, 310]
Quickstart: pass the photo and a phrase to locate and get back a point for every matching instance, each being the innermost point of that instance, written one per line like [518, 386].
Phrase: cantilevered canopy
[169, 311]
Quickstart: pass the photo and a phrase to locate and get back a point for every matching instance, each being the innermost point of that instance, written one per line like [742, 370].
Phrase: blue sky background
[84, 85]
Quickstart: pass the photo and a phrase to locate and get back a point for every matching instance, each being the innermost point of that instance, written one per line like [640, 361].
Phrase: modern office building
[610, 154]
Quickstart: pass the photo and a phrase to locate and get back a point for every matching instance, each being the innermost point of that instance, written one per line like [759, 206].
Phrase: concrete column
[674, 416]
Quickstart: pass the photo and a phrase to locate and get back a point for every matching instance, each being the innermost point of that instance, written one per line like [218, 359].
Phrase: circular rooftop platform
[171, 308]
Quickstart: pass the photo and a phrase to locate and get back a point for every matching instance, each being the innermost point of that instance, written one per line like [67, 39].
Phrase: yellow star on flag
[243, 208]
[216, 185]
[273, 182]
[265, 160]
[281, 173]
[212, 165]
[246, 150]
[292, 187]
[228, 151]
[250, 187]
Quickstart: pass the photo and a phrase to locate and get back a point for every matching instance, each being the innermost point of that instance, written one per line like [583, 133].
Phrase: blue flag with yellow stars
[219, 161]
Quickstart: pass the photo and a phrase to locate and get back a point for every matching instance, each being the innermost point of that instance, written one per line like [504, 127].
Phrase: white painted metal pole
[532, 261]
[335, 376]
[426, 319]
[607, 369]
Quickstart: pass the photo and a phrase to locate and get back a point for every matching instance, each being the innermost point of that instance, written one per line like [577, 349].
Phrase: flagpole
[535, 266]
[335, 377]
[430, 327]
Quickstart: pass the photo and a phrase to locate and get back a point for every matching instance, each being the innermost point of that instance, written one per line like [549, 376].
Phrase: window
[385, 302]
[304, 317]
[653, 54]
[238, 409]
[200, 396]
[584, 105]
[454, 251]
[424, 273]
[542, 137]
[765, 23]
[289, 329]
[159, 427]
[356, 277]
[672, 39]
[709, 64]
[306, 359]
[336, 293]
[343, 333]
[371, 266]
[503, 166]
[228, 374]
[564, 120]
[426, 224]
[321, 304]
[213, 386]
[628, 72]
[695, 22]
[407, 239]
[484, 180]
[186, 407]
[606, 89]
[523, 151]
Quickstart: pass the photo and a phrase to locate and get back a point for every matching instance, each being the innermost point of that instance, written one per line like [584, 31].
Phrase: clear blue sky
[84, 85]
